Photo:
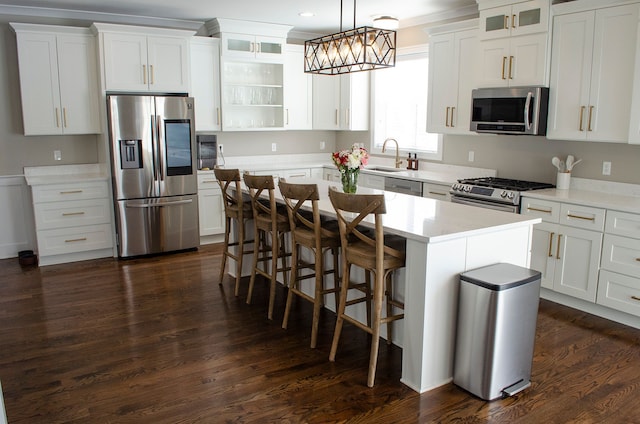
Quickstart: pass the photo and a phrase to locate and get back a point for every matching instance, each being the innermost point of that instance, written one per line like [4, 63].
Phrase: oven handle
[484, 204]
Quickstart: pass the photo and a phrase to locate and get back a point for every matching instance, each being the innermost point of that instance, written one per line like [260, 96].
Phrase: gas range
[493, 192]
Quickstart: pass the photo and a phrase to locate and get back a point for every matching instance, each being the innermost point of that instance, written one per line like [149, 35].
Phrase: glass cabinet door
[519, 19]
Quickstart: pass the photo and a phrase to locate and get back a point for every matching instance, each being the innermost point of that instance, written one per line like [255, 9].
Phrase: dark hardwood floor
[157, 340]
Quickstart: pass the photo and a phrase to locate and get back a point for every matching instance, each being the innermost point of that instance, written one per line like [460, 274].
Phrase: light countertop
[63, 174]
[599, 194]
[429, 220]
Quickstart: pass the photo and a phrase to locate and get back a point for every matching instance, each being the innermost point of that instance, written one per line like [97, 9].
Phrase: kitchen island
[443, 240]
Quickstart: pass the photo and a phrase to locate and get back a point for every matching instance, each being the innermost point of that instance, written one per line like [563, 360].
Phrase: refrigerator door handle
[154, 151]
[161, 153]
[159, 204]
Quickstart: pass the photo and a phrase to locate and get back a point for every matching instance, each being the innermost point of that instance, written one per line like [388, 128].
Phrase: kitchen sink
[384, 169]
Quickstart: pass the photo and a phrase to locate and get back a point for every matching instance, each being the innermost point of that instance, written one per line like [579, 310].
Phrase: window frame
[417, 51]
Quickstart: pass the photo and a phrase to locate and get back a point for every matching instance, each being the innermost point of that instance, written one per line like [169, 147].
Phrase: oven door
[485, 204]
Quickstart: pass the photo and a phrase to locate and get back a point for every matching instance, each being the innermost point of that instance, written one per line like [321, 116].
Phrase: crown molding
[466, 12]
[45, 12]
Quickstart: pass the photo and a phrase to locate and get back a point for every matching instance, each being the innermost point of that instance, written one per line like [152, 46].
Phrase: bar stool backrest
[233, 199]
[257, 185]
[295, 197]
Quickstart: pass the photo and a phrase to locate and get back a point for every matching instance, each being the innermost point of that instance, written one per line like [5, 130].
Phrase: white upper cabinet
[58, 80]
[514, 19]
[252, 46]
[513, 43]
[298, 88]
[341, 102]
[452, 62]
[145, 59]
[592, 72]
[205, 82]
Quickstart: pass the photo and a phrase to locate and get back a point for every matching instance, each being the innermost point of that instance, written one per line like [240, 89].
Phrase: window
[399, 98]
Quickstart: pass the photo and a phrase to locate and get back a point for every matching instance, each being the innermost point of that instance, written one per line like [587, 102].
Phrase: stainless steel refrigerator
[153, 162]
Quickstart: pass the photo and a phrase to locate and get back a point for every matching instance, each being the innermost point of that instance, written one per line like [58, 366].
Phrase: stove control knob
[503, 194]
[467, 189]
[510, 195]
[454, 187]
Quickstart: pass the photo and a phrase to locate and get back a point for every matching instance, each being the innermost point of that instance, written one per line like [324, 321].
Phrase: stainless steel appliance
[207, 151]
[519, 110]
[500, 194]
[154, 178]
[400, 185]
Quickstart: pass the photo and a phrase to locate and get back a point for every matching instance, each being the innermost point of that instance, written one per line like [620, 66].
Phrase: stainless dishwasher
[400, 185]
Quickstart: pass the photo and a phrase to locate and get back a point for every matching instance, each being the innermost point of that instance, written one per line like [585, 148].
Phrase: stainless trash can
[497, 313]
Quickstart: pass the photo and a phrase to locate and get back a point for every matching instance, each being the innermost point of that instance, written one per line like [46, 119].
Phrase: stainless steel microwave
[516, 110]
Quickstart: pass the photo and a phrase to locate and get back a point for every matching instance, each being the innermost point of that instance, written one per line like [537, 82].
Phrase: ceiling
[326, 13]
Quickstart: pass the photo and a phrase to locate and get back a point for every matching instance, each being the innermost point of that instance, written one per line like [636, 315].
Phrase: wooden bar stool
[372, 253]
[238, 209]
[270, 224]
[310, 232]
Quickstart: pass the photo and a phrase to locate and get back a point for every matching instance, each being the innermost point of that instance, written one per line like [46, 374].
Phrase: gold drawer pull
[539, 210]
[72, 213]
[637, 259]
[558, 248]
[550, 244]
[208, 181]
[437, 193]
[74, 240]
[582, 108]
[580, 217]
[635, 297]
[71, 192]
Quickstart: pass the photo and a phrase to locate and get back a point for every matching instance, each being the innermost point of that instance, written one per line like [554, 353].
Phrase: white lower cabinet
[73, 221]
[566, 246]
[210, 205]
[371, 181]
[619, 282]
[331, 175]
[436, 191]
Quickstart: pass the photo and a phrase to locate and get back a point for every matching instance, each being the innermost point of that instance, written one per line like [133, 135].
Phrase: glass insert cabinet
[515, 19]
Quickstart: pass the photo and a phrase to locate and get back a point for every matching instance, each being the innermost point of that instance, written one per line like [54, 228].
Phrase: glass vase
[350, 179]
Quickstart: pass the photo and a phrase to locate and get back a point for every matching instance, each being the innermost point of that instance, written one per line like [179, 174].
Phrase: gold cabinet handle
[437, 193]
[144, 74]
[637, 259]
[550, 244]
[286, 113]
[208, 181]
[539, 210]
[635, 297]
[590, 116]
[151, 78]
[582, 108]
[453, 108]
[510, 67]
[57, 118]
[569, 215]
[347, 112]
[72, 213]
[558, 247]
[71, 192]
[218, 116]
[504, 64]
[446, 117]
[64, 117]
[506, 22]
[337, 117]
[75, 240]
[513, 21]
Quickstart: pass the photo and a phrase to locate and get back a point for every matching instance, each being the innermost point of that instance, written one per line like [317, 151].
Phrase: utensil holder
[563, 181]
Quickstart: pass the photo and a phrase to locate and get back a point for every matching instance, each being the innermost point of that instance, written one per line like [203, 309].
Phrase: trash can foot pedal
[515, 388]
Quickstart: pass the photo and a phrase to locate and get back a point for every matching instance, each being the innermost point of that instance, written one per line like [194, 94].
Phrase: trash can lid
[500, 276]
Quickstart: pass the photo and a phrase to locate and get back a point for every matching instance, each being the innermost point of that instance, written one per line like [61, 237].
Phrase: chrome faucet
[384, 146]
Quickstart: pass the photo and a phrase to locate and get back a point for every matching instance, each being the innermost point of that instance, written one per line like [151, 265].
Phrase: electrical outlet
[274, 147]
[606, 168]
[322, 145]
[221, 148]
[57, 155]
[472, 155]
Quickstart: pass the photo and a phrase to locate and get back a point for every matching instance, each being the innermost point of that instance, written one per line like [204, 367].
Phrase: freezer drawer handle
[156, 205]
[71, 192]
[72, 213]
[74, 240]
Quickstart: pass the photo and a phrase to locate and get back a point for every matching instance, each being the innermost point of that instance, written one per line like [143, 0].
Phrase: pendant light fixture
[358, 49]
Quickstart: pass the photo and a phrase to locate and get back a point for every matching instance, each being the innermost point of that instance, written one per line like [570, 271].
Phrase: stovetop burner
[505, 183]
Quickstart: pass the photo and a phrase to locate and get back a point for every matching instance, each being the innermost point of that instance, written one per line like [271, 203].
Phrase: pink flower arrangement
[355, 158]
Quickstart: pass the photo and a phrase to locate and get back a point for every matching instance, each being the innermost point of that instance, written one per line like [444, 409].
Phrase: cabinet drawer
[619, 292]
[70, 191]
[72, 214]
[207, 181]
[582, 217]
[621, 254]
[623, 224]
[74, 239]
[436, 191]
[548, 211]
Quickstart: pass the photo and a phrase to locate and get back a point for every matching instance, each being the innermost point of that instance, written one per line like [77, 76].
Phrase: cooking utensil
[569, 162]
[574, 164]
[556, 162]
